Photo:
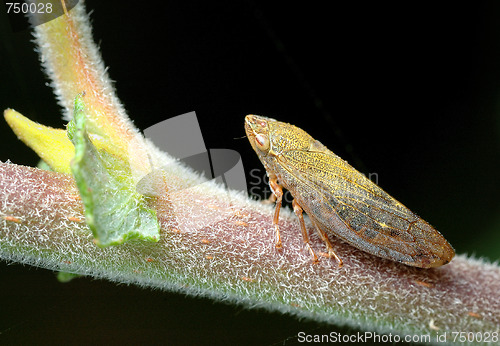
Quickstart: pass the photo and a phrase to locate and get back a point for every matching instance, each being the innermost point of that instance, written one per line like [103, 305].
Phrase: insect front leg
[278, 192]
[305, 237]
[328, 244]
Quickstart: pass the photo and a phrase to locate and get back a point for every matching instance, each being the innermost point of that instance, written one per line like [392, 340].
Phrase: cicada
[339, 200]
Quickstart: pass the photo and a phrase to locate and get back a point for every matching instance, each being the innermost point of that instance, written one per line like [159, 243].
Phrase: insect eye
[262, 142]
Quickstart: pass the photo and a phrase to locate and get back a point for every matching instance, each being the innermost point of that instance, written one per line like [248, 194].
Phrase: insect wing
[340, 200]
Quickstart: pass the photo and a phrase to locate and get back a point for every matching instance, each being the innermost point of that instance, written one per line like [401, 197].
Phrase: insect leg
[278, 192]
[305, 237]
[270, 200]
[328, 244]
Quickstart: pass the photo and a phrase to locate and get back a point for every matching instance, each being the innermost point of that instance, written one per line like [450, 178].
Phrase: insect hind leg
[298, 211]
[328, 244]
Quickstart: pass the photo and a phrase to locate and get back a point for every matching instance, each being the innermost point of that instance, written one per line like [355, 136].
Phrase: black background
[408, 91]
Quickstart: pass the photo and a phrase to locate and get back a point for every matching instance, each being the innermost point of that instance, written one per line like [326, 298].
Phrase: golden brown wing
[344, 202]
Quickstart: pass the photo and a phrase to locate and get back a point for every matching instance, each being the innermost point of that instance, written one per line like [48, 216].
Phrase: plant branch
[234, 259]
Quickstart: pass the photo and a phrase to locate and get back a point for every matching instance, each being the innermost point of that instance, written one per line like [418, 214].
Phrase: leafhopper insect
[340, 200]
